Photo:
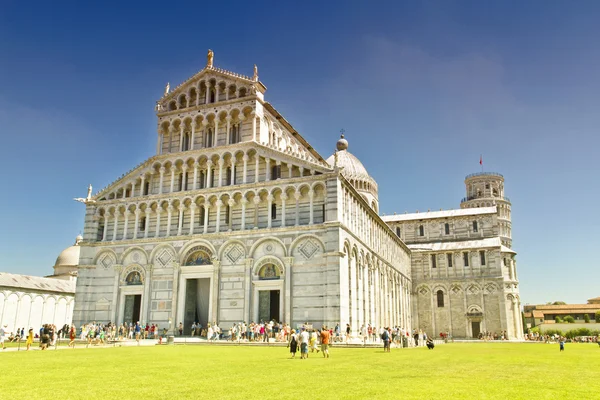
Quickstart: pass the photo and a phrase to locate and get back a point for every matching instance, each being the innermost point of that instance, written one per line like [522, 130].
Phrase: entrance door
[268, 305]
[475, 328]
[197, 298]
[133, 304]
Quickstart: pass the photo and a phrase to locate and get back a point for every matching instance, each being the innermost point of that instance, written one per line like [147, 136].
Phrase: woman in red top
[72, 337]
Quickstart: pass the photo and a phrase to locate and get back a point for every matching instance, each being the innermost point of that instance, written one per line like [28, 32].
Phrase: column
[193, 133]
[184, 177]
[216, 133]
[127, 214]
[220, 180]
[160, 184]
[244, 202]
[195, 184]
[216, 93]
[256, 203]
[233, 171]
[244, 177]
[257, 168]
[198, 95]
[297, 196]
[267, 169]
[311, 195]
[193, 209]
[105, 227]
[208, 173]
[172, 178]
[181, 127]
[283, 199]
[169, 216]
[137, 223]
[116, 220]
[269, 205]
[228, 130]
[158, 212]
[143, 178]
[290, 170]
[132, 189]
[205, 130]
[147, 227]
[124, 192]
[207, 94]
[180, 219]
[219, 203]
[231, 203]
[206, 211]
[253, 126]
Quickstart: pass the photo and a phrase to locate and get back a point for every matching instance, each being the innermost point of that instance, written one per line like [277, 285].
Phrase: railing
[484, 174]
[464, 199]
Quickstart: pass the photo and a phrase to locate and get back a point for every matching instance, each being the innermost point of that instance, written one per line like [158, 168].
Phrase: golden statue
[209, 58]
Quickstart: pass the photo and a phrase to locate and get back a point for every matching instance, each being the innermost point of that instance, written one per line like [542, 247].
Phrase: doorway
[268, 305]
[476, 329]
[197, 298]
[133, 304]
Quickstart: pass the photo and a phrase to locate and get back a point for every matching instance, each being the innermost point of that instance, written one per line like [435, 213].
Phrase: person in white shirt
[304, 343]
[2, 335]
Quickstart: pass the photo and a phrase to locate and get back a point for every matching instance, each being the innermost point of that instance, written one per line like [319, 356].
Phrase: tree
[558, 320]
[598, 316]
[569, 319]
[559, 303]
[586, 318]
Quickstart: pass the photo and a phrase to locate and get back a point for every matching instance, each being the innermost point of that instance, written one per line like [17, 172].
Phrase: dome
[70, 255]
[352, 167]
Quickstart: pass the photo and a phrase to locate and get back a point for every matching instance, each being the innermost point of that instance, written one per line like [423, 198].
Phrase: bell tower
[486, 189]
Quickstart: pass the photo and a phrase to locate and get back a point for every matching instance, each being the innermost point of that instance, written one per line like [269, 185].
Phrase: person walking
[29, 341]
[325, 336]
[304, 343]
[3, 336]
[561, 343]
[72, 335]
[313, 341]
[385, 337]
[293, 343]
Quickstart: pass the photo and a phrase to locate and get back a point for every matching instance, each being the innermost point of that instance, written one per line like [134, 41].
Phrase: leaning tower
[486, 189]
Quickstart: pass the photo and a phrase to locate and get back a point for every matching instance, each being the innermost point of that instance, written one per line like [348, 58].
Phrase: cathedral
[238, 218]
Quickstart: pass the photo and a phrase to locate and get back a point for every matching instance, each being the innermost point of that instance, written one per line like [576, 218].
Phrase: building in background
[546, 315]
[30, 301]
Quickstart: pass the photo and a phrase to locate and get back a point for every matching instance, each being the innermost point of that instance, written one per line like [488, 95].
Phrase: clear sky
[420, 89]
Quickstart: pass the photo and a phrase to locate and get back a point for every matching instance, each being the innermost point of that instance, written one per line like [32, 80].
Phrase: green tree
[569, 319]
[558, 320]
[559, 303]
[586, 318]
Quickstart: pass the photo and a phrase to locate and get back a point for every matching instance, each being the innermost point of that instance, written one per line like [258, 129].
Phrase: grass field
[452, 371]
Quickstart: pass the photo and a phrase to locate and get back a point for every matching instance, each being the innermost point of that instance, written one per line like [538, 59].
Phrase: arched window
[447, 228]
[227, 214]
[208, 140]
[235, 134]
[421, 230]
[134, 278]
[269, 272]
[229, 183]
[398, 231]
[199, 256]
[440, 298]
[273, 211]
[475, 227]
[201, 215]
[212, 95]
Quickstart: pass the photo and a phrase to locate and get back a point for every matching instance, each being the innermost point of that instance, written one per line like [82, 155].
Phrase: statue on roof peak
[255, 76]
[167, 89]
[209, 58]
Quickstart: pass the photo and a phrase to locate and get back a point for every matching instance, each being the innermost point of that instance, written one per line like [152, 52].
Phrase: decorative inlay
[164, 258]
[234, 253]
[269, 248]
[106, 261]
[136, 256]
[423, 291]
[308, 249]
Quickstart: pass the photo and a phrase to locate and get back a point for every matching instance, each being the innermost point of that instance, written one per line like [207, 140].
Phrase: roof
[352, 167]
[538, 314]
[36, 283]
[463, 245]
[550, 307]
[463, 212]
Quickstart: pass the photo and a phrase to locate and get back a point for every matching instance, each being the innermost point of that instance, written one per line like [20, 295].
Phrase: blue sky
[420, 89]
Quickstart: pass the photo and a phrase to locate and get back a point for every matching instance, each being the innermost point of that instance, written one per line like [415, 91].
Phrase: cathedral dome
[69, 257]
[355, 172]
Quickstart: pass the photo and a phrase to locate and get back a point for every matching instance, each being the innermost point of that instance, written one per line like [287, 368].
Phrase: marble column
[269, 206]
[169, 217]
[283, 200]
[116, 225]
[158, 212]
[219, 203]
[206, 211]
[244, 201]
[126, 223]
[193, 210]
[160, 184]
[245, 171]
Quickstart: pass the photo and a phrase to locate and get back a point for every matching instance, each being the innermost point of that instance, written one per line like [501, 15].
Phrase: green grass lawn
[452, 371]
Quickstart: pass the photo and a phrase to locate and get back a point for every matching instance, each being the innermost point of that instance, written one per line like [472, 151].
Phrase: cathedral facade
[238, 218]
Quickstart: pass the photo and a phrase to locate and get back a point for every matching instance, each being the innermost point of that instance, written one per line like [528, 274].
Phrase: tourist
[45, 337]
[293, 343]
[385, 337]
[304, 339]
[180, 329]
[364, 333]
[29, 341]
[561, 343]
[72, 336]
[193, 328]
[430, 344]
[313, 341]
[138, 330]
[325, 336]
[2, 336]
[348, 330]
